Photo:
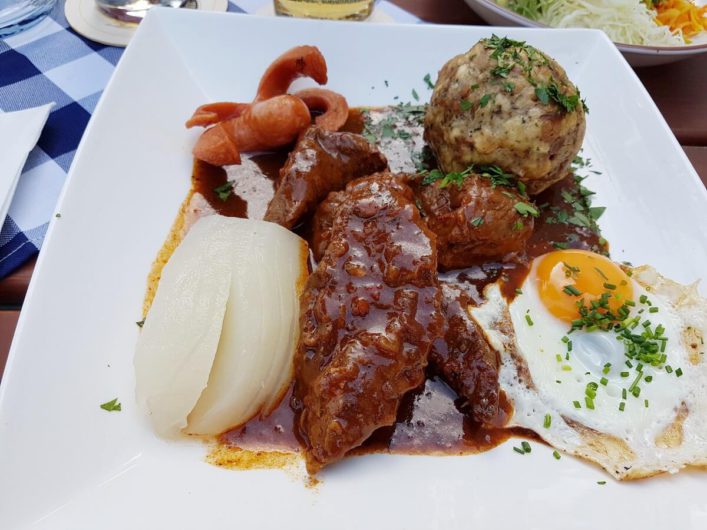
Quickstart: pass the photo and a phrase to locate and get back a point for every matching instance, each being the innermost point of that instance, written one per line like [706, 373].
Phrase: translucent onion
[218, 343]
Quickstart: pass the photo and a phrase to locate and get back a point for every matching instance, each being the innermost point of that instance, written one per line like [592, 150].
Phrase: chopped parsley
[498, 177]
[402, 116]
[525, 209]
[428, 81]
[466, 105]
[484, 100]
[224, 191]
[112, 406]
[415, 95]
[477, 221]
[455, 177]
[510, 54]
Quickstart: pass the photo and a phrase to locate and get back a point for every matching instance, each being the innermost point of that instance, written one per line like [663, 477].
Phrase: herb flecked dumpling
[505, 103]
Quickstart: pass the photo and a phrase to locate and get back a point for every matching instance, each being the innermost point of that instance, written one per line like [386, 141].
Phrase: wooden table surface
[678, 89]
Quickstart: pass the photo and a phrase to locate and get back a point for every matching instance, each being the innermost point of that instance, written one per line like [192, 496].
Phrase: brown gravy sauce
[430, 420]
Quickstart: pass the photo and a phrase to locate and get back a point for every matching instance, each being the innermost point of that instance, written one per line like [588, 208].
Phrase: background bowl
[636, 55]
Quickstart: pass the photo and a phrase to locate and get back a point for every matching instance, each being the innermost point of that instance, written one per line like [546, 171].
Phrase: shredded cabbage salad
[624, 21]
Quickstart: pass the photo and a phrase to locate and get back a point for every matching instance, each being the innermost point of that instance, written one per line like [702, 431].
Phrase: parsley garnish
[502, 71]
[140, 323]
[484, 100]
[428, 81]
[499, 177]
[455, 177]
[552, 92]
[526, 209]
[466, 105]
[112, 406]
[224, 191]
[510, 53]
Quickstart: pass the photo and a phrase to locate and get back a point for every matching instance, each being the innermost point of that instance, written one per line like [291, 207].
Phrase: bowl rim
[633, 48]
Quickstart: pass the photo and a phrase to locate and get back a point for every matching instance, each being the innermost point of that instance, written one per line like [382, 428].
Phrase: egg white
[638, 441]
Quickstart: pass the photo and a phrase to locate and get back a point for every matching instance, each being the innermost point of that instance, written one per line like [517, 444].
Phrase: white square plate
[67, 464]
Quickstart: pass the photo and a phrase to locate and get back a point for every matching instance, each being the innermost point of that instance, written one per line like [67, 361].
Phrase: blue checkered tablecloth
[52, 63]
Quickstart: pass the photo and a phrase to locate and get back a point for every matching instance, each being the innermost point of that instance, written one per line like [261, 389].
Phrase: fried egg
[604, 362]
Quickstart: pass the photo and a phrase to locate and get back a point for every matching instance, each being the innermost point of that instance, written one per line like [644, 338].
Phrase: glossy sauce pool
[429, 420]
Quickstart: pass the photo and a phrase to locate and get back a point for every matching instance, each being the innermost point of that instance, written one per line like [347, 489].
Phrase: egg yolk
[565, 277]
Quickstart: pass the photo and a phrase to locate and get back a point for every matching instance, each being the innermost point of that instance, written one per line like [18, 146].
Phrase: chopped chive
[519, 291]
[556, 455]
[637, 380]
[589, 402]
[636, 391]
[601, 482]
[648, 378]
[624, 374]
[643, 299]
[669, 369]
[622, 406]
[518, 450]
[607, 368]
[609, 286]
[558, 357]
[645, 402]
[571, 289]
[653, 310]
[565, 339]
[601, 273]
[548, 421]
[566, 368]
[678, 372]
[526, 446]
[624, 393]
[529, 320]
[604, 381]
[577, 405]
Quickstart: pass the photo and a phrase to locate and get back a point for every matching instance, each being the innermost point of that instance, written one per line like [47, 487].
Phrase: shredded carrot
[681, 15]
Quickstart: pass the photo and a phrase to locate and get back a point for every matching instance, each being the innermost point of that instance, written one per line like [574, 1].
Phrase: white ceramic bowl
[636, 55]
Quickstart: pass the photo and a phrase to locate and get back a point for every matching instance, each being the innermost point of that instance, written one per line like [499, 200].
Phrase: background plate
[67, 464]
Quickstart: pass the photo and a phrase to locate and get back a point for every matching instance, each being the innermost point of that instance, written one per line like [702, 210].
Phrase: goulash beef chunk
[463, 357]
[369, 315]
[321, 162]
[475, 220]
[323, 218]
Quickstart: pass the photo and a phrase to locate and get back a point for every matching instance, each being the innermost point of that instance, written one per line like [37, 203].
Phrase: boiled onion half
[218, 343]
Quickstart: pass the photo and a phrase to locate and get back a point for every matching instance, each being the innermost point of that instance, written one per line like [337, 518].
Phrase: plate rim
[32, 302]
